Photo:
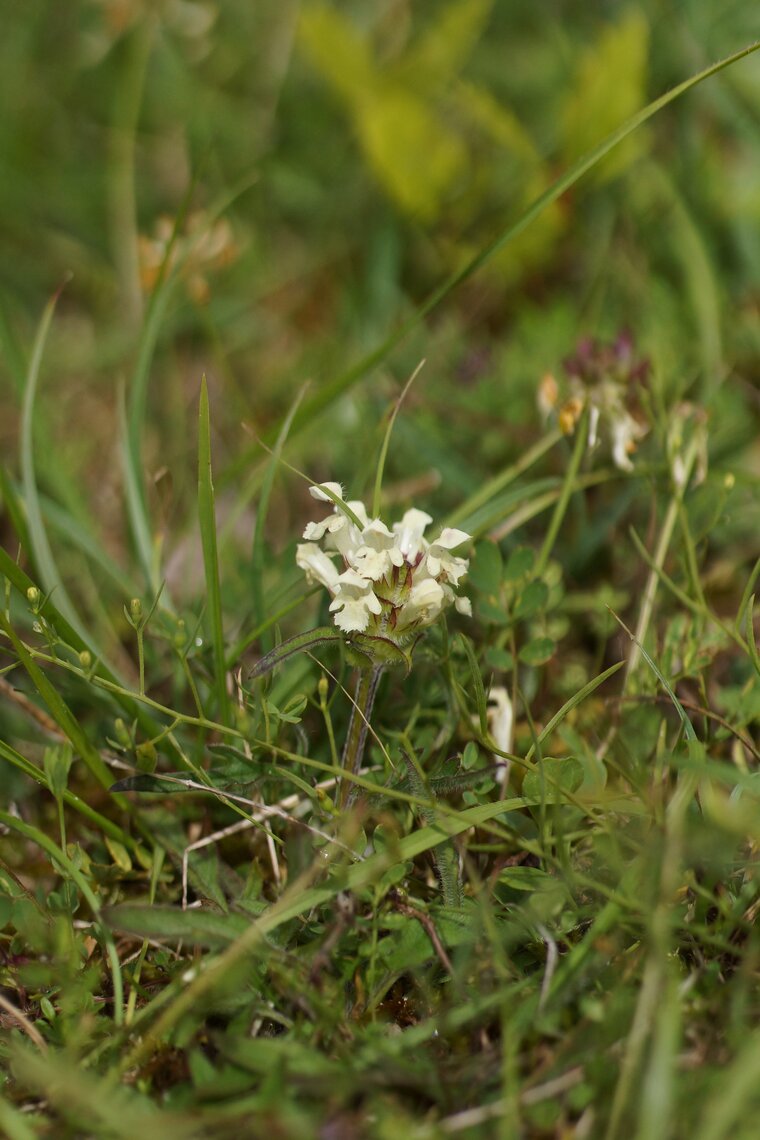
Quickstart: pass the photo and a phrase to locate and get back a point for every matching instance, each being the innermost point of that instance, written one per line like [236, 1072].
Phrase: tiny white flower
[354, 602]
[440, 561]
[378, 552]
[499, 715]
[625, 432]
[372, 564]
[424, 603]
[352, 614]
[594, 413]
[317, 492]
[410, 531]
[358, 508]
[314, 531]
[317, 566]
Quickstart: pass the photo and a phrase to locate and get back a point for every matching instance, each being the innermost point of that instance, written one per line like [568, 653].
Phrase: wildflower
[390, 582]
[500, 717]
[600, 378]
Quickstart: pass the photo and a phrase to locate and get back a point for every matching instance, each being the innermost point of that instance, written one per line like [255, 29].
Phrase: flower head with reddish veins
[386, 582]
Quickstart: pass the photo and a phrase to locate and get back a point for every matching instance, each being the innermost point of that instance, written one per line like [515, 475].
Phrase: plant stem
[650, 590]
[361, 711]
[581, 432]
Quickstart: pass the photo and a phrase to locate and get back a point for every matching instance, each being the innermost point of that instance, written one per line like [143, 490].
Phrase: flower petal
[317, 566]
[318, 493]
[450, 538]
[410, 531]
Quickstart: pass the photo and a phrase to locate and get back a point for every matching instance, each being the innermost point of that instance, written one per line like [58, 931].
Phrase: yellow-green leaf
[414, 154]
[337, 50]
[610, 85]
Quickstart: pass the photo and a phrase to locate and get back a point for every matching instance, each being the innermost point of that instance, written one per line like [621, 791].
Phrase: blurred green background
[326, 167]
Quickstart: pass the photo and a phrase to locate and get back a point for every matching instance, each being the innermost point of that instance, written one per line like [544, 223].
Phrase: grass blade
[38, 539]
[257, 553]
[207, 522]
[134, 492]
[59, 710]
[569, 705]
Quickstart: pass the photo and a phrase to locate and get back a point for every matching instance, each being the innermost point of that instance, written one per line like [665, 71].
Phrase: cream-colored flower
[409, 533]
[392, 582]
[500, 717]
[441, 561]
[318, 492]
[317, 566]
[423, 605]
[354, 602]
[625, 431]
[378, 552]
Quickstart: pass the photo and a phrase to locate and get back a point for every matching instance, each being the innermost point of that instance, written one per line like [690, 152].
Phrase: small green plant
[345, 825]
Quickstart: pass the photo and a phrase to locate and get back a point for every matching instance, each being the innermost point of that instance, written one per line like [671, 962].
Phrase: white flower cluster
[393, 582]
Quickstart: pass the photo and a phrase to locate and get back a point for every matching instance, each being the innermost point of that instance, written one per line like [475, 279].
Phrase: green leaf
[233, 775]
[480, 693]
[447, 44]
[610, 84]
[40, 546]
[538, 651]
[751, 643]
[57, 762]
[298, 644]
[485, 572]
[119, 854]
[379, 651]
[525, 878]
[338, 51]
[470, 755]
[495, 615]
[532, 600]
[519, 564]
[553, 776]
[197, 927]
[415, 153]
[497, 658]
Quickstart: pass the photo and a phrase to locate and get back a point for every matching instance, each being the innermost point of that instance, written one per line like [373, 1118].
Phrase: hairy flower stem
[353, 751]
